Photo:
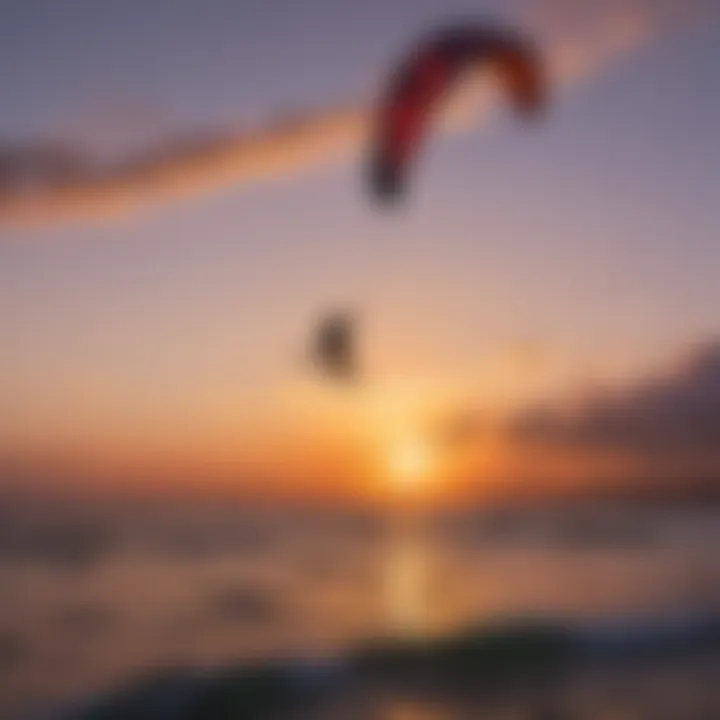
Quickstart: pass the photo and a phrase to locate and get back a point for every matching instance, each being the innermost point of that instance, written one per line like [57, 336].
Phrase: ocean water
[94, 595]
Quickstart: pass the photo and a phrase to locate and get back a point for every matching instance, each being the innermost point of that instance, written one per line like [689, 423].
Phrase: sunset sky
[163, 340]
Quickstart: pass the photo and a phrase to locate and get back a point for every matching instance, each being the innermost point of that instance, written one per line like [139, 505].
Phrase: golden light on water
[406, 582]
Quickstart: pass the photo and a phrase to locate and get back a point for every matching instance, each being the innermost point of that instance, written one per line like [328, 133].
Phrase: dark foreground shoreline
[542, 670]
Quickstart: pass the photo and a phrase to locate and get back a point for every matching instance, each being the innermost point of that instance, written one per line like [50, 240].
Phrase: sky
[155, 333]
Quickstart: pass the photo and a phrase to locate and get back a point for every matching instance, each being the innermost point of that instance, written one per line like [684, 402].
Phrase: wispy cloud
[48, 184]
[658, 432]
[677, 412]
[664, 427]
[41, 185]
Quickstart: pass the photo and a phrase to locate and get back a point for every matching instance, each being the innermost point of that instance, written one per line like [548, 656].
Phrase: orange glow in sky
[170, 347]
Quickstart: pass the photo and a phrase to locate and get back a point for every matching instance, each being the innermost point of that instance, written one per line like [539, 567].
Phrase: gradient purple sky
[594, 236]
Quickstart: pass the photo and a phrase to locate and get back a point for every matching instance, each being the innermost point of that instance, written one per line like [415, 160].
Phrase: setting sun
[410, 463]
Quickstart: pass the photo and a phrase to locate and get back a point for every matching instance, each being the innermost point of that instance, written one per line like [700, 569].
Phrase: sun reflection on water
[408, 576]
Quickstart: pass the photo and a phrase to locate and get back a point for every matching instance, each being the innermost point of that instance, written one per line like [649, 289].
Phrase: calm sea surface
[92, 595]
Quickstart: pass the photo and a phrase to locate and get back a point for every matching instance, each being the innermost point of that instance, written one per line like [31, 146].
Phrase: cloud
[49, 184]
[67, 187]
[668, 425]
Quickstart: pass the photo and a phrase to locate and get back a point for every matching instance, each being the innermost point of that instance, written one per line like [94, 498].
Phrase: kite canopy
[425, 77]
